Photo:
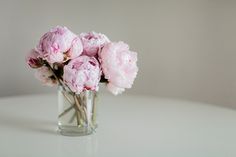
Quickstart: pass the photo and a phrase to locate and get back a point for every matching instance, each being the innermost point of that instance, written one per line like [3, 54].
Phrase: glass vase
[76, 112]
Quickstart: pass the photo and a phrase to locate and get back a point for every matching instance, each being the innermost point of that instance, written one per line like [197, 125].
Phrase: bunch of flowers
[80, 62]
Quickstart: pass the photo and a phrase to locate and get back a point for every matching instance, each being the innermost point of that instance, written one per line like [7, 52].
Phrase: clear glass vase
[77, 112]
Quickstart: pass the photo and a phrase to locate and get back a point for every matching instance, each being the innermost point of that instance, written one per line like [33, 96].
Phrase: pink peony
[33, 59]
[59, 44]
[119, 66]
[45, 75]
[82, 73]
[93, 42]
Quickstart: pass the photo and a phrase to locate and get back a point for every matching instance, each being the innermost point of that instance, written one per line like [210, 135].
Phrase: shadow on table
[21, 123]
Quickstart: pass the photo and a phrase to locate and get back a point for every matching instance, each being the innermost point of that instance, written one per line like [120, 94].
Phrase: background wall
[186, 49]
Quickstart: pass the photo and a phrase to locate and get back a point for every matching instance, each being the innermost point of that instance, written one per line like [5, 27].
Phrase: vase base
[74, 131]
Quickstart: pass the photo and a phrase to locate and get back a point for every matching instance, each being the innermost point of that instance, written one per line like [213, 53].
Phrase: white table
[129, 126]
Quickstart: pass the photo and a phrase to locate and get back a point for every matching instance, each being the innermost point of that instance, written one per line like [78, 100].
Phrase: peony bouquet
[78, 63]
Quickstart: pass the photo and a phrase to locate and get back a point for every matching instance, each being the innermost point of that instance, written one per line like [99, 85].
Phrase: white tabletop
[128, 126]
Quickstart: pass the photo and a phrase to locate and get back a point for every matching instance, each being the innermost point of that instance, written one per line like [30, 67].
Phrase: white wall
[186, 48]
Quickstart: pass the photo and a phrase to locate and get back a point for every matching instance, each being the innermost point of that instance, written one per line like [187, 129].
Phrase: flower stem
[65, 111]
[78, 108]
[73, 117]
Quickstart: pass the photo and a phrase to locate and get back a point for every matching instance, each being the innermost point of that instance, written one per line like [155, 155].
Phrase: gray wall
[186, 49]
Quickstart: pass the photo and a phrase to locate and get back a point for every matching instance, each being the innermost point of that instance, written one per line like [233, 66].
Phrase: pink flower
[119, 66]
[93, 42]
[82, 73]
[33, 59]
[46, 76]
[59, 44]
